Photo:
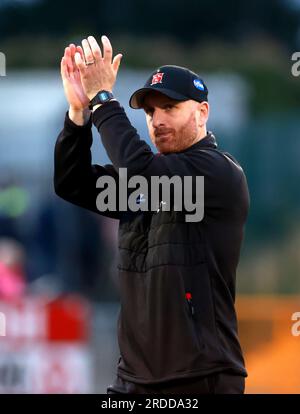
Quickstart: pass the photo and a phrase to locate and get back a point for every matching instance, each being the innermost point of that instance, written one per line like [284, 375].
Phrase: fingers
[76, 57]
[107, 49]
[72, 53]
[96, 51]
[116, 62]
[79, 62]
[64, 68]
[68, 60]
[92, 50]
[79, 50]
[72, 48]
[89, 57]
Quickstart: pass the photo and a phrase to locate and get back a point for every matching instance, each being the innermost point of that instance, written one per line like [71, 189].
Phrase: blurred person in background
[12, 269]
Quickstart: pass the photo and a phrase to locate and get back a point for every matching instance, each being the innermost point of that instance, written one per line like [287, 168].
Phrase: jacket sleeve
[74, 175]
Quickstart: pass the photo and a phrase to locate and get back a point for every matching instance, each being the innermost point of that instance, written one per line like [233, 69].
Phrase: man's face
[174, 125]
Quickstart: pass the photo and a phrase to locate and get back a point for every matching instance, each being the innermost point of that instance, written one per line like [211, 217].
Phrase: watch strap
[101, 98]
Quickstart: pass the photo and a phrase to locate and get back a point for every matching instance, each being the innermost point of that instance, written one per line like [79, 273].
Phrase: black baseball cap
[174, 81]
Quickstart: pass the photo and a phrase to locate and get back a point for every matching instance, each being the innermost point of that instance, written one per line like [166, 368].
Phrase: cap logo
[157, 78]
[198, 84]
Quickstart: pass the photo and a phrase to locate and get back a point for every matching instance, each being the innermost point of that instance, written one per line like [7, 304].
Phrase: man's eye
[168, 107]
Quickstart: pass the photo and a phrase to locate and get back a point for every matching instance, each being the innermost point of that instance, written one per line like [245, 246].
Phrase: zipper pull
[188, 297]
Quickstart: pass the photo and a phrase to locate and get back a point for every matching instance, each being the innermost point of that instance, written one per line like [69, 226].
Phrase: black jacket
[162, 333]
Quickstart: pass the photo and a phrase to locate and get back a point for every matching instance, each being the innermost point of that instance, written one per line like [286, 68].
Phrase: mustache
[162, 131]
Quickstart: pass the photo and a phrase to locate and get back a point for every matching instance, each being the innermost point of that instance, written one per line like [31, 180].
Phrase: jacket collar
[208, 141]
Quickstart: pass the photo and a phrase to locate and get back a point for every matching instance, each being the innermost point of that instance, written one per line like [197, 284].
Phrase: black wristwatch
[101, 98]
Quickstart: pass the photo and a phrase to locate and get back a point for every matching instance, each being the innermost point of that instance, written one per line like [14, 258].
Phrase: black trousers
[218, 383]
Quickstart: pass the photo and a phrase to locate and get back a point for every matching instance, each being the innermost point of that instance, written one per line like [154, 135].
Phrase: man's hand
[97, 72]
[78, 101]
[71, 79]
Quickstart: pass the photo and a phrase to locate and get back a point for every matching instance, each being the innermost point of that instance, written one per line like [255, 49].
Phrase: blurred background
[58, 277]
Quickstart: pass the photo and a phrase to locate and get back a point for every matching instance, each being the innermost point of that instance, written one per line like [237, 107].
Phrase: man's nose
[158, 118]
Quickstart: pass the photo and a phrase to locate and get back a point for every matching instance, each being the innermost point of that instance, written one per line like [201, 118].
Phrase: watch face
[103, 96]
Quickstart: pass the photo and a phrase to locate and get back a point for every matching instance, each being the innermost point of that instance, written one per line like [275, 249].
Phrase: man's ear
[203, 113]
